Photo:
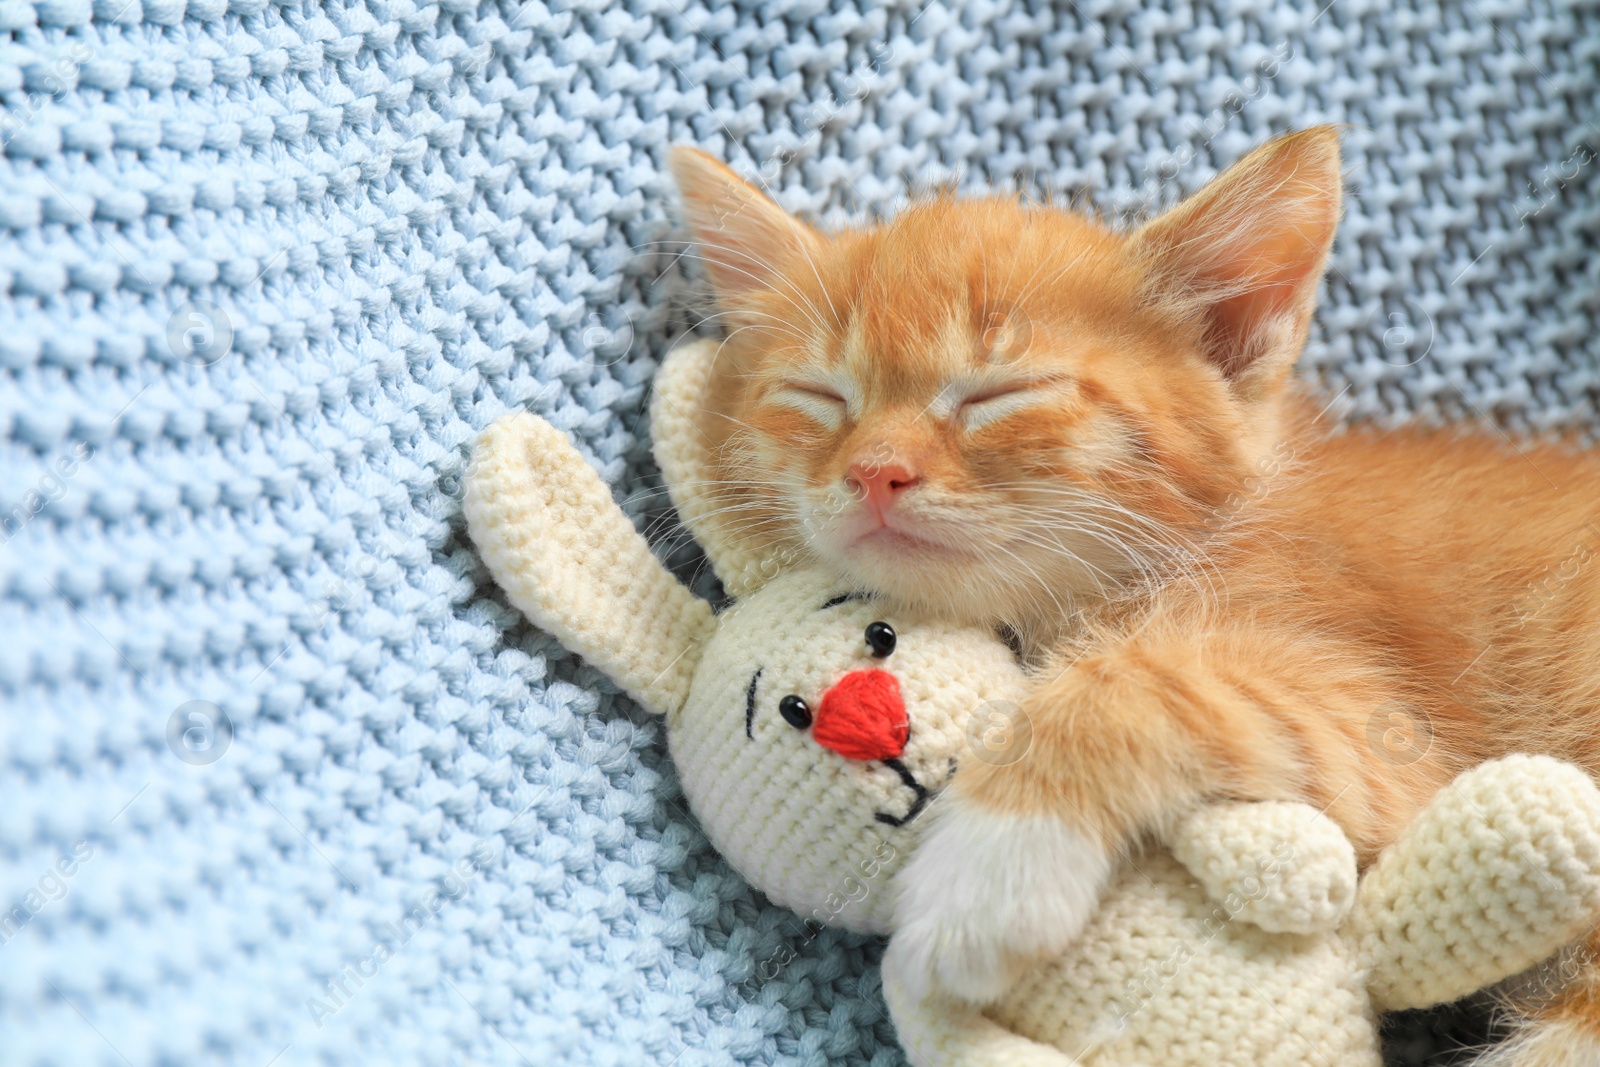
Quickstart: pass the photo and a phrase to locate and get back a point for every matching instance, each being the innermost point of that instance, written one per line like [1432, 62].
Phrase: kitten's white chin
[894, 542]
[924, 576]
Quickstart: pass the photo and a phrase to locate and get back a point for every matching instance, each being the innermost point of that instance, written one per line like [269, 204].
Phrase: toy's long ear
[1496, 874]
[569, 559]
[683, 450]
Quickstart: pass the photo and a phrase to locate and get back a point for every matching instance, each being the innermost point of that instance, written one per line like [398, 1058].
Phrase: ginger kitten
[1018, 416]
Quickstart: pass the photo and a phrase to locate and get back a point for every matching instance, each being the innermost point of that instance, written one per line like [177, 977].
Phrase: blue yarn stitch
[265, 269]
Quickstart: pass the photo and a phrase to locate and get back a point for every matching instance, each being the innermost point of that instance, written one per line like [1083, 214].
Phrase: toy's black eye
[880, 638]
[795, 712]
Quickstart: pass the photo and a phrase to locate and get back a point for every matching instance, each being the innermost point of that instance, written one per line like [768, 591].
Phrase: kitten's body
[1380, 613]
[1019, 416]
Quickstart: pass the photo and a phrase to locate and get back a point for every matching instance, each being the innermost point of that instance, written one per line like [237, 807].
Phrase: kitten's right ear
[1246, 254]
[745, 238]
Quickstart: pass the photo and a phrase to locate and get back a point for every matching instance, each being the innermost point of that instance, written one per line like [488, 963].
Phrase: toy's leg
[949, 1033]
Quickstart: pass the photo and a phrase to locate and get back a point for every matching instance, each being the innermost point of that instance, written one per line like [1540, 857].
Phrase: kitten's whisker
[1151, 550]
[1138, 525]
[1060, 549]
[1152, 535]
[1032, 591]
[789, 292]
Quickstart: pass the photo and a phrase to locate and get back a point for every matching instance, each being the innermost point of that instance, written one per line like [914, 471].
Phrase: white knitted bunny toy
[812, 729]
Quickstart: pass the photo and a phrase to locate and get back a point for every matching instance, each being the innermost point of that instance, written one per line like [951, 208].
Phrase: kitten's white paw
[987, 894]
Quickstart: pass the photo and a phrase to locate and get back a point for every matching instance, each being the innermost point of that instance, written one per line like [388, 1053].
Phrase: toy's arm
[569, 559]
[1500, 871]
[940, 1033]
[1285, 867]
[677, 399]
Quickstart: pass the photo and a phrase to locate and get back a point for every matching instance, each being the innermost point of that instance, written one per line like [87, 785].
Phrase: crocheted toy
[812, 728]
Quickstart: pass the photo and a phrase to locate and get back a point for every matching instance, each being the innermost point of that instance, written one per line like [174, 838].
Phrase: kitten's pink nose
[879, 484]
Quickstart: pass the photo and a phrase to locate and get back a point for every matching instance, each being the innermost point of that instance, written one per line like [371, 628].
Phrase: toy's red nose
[862, 717]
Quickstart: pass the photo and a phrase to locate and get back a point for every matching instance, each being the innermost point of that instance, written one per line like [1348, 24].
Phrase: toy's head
[817, 729]
[810, 726]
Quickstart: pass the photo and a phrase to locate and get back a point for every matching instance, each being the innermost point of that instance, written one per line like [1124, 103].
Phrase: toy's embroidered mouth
[923, 795]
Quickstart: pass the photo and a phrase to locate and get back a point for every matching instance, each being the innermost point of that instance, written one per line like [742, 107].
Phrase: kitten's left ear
[745, 237]
[1246, 254]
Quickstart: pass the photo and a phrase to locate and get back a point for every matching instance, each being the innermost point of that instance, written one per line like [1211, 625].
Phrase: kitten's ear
[745, 237]
[1246, 253]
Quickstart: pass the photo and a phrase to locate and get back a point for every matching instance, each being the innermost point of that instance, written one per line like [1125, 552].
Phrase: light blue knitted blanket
[283, 780]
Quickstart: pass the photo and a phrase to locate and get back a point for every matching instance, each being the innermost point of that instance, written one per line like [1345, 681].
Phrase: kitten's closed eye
[821, 401]
[975, 405]
[990, 405]
[982, 396]
[821, 392]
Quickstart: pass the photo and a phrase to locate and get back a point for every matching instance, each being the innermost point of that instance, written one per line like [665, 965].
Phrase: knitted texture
[266, 269]
[1165, 975]
[570, 560]
[1222, 846]
[863, 717]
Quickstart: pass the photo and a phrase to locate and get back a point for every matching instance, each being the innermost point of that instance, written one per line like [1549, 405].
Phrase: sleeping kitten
[1019, 416]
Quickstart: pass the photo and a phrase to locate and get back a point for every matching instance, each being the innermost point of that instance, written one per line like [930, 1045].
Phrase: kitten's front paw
[987, 894]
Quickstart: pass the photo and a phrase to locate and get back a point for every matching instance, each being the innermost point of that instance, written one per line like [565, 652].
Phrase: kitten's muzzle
[878, 485]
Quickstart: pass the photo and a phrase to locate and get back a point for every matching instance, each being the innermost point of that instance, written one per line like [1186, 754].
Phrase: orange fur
[1226, 597]
[1557, 1022]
